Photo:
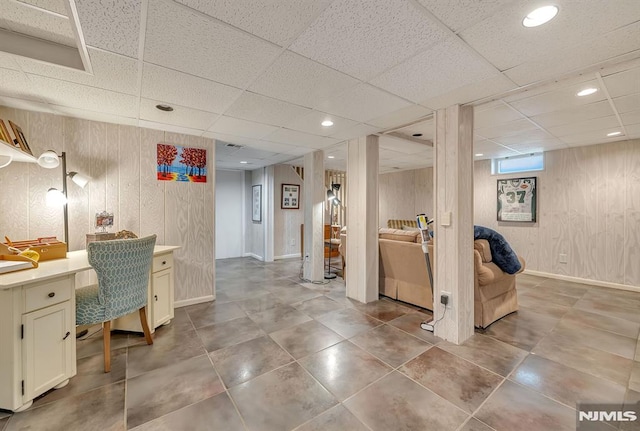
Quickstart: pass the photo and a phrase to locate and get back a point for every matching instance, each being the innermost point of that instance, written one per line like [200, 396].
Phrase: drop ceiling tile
[171, 87]
[633, 131]
[593, 124]
[559, 99]
[632, 117]
[182, 39]
[572, 115]
[8, 61]
[400, 117]
[506, 43]
[507, 129]
[363, 39]
[536, 135]
[237, 127]
[355, 132]
[576, 57]
[623, 83]
[425, 128]
[538, 147]
[94, 116]
[84, 97]
[592, 137]
[169, 128]
[490, 149]
[110, 71]
[56, 6]
[362, 103]
[470, 92]
[224, 148]
[246, 153]
[262, 109]
[112, 26]
[459, 15]
[38, 23]
[238, 140]
[277, 21]
[293, 137]
[627, 103]
[276, 147]
[16, 84]
[401, 145]
[497, 115]
[311, 123]
[180, 116]
[297, 79]
[442, 68]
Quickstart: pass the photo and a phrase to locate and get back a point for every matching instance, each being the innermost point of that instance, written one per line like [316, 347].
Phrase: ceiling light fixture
[165, 108]
[540, 16]
[479, 155]
[244, 162]
[586, 91]
[327, 123]
[331, 157]
[614, 134]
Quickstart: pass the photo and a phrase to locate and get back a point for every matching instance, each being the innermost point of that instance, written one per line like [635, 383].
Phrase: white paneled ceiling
[263, 74]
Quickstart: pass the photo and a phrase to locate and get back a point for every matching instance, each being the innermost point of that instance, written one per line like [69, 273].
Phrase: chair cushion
[88, 307]
[482, 245]
[399, 235]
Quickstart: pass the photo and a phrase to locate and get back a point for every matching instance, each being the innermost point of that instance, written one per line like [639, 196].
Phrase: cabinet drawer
[43, 295]
[161, 262]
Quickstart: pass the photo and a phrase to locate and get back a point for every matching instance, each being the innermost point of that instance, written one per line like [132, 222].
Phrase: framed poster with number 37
[517, 199]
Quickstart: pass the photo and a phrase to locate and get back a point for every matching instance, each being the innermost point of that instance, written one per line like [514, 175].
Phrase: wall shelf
[16, 154]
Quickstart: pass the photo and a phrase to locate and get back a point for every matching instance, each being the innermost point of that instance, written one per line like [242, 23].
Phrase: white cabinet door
[47, 348]
[162, 297]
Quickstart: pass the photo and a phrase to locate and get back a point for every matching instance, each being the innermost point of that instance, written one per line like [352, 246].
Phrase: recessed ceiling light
[331, 157]
[479, 155]
[540, 16]
[165, 108]
[417, 135]
[327, 123]
[244, 162]
[586, 91]
[614, 133]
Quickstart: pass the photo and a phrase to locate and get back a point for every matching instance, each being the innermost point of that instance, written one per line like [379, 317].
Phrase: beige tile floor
[273, 353]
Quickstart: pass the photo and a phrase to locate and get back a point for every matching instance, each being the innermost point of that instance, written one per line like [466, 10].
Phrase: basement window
[517, 164]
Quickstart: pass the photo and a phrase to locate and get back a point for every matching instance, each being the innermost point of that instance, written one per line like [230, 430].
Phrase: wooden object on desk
[47, 248]
[100, 236]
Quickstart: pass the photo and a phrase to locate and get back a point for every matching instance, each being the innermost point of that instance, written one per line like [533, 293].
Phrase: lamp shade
[49, 159]
[330, 195]
[55, 197]
[79, 179]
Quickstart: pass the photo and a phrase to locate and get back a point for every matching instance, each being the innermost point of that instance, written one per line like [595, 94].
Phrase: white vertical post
[314, 197]
[362, 219]
[453, 185]
[268, 211]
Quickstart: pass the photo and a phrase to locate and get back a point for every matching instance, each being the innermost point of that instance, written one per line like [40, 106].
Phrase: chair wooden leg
[106, 340]
[145, 325]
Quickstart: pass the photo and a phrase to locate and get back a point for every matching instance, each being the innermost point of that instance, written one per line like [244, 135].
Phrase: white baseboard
[193, 301]
[287, 256]
[255, 256]
[583, 280]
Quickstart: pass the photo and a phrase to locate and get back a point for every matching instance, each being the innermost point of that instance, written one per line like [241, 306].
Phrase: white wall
[121, 161]
[405, 194]
[287, 221]
[588, 208]
[254, 238]
[229, 214]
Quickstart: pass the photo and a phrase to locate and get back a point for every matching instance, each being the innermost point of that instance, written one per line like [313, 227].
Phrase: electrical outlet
[563, 258]
[446, 298]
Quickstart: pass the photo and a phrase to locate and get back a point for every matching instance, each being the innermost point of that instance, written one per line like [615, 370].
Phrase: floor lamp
[50, 160]
[334, 202]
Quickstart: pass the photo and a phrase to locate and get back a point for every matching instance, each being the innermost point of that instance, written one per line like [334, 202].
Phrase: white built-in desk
[37, 323]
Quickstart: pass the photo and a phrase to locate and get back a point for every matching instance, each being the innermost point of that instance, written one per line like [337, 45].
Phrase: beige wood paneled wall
[405, 194]
[588, 208]
[121, 161]
[286, 223]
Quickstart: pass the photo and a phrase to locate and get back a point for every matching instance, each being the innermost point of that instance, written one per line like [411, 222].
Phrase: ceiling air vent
[233, 146]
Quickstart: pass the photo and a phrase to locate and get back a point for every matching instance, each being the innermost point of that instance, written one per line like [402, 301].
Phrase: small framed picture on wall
[290, 197]
[256, 204]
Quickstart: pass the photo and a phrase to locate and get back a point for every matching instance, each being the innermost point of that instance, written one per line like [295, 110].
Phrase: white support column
[453, 185]
[268, 212]
[314, 197]
[362, 219]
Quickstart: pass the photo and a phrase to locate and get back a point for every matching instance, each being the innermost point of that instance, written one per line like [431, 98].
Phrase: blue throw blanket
[501, 253]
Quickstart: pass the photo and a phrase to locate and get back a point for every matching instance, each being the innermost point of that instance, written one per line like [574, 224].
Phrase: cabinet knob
[66, 335]
[164, 262]
[51, 294]
[156, 297]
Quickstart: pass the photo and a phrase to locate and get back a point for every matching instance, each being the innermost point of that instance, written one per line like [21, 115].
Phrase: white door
[162, 304]
[229, 214]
